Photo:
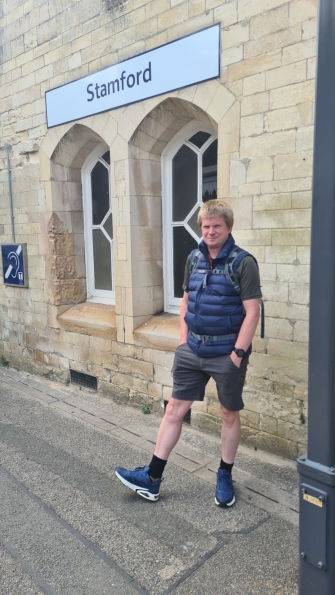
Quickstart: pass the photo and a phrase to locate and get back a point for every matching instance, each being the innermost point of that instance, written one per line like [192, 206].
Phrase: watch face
[240, 352]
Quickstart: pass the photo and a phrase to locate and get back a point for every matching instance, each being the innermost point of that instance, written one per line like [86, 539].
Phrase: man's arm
[248, 328]
[183, 325]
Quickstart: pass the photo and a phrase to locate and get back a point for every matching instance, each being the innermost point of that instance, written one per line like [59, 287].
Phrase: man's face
[214, 232]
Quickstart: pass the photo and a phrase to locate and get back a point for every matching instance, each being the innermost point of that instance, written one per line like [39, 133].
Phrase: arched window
[189, 172]
[98, 225]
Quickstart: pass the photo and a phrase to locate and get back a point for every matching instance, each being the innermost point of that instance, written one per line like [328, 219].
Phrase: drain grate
[187, 417]
[85, 380]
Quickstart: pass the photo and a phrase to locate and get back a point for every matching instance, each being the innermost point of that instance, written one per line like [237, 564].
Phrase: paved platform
[68, 526]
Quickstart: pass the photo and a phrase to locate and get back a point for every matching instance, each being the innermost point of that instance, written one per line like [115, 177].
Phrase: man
[218, 317]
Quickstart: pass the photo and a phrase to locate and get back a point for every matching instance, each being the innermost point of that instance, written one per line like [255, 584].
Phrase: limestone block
[268, 272]
[275, 291]
[301, 10]
[299, 293]
[221, 103]
[294, 185]
[311, 68]
[155, 390]
[301, 329]
[305, 138]
[301, 200]
[309, 29]
[237, 172]
[250, 418]
[255, 104]
[293, 273]
[281, 219]
[146, 210]
[280, 254]
[286, 75]
[235, 35]
[223, 13]
[277, 40]
[242, 208]
[254, 84]
[249, 189]
[232, 55]
[253, 237]
[292, 95]
[254, 65]
[91, 319]
[199, 406]
[260, 170]
[136, 368]
[272, 202]
[303, 254]
[174, 15]
[159, 332]
[287, 310]
[223, 175]
[290, 117]
[291, 349]
[295, 165]
[205, 93]
[291, 237]
[252, 125]
[144, 177]
[268, 144]
[269, 21]
[163, 375]
[279, 369]
[247, 9]
[229, 130]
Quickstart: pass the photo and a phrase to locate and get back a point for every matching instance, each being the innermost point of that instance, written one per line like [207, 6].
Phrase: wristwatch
[239, 352]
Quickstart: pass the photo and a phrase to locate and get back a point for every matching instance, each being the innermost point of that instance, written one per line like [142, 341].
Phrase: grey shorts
[191, 374]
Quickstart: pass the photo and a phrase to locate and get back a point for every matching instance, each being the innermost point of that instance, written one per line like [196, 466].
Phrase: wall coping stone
[90, 319]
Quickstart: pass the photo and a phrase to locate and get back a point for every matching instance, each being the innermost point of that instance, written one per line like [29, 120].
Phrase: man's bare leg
[230, 434]
[170, 428]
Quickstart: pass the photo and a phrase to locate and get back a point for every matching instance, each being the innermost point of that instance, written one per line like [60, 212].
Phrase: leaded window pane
[209, 172]
[100, 193]
[106, 157]
[184, 182]
[193, 222]
[199, 139]
[183, 243]
[102, 260]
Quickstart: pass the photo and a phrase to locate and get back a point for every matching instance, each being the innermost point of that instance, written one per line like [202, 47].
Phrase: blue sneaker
[140, 482]
[224, 495]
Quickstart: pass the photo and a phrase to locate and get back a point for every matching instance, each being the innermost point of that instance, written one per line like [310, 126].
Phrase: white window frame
[171, 303]
[94, 295]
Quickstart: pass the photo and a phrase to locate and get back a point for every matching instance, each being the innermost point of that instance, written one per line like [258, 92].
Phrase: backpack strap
[195, 257]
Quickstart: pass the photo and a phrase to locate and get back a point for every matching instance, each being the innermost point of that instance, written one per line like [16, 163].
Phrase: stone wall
[262, 111]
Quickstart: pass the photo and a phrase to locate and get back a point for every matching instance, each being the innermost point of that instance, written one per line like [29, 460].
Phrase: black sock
[156, 467]
[226, 466]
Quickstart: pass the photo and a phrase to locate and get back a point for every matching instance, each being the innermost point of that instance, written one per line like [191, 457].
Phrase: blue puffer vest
[214, 306]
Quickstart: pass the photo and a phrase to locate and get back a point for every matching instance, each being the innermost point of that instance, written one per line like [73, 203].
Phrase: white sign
[178, 64]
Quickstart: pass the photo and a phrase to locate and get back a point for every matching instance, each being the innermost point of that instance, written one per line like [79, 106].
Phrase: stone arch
[63, 224]
[143, 244]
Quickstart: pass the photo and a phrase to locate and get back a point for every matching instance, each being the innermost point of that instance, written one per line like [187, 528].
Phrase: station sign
[187, 61]
[14, 264]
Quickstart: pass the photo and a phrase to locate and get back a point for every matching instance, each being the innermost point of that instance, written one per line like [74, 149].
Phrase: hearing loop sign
[14, 264]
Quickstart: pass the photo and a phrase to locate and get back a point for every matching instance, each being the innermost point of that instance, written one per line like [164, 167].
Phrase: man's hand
[235, 359]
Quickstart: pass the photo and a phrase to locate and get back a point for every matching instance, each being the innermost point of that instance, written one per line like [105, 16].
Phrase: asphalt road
[69, 527]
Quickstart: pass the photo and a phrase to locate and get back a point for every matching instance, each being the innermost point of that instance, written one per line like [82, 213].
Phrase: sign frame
[57, 100]
[15, 256]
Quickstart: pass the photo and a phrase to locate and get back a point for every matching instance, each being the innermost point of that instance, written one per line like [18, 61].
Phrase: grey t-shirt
[247, 276]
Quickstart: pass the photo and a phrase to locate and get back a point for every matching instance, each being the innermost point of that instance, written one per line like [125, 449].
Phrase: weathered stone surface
[91, 319]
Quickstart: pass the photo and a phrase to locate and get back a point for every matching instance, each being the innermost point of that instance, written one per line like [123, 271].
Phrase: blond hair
[216, 208]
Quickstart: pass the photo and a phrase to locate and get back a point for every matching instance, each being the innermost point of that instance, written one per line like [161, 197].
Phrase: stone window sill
[159, 332]
[90, 319]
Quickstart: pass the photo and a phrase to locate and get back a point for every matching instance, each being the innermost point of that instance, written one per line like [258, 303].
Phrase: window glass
[184, 182]
[193, 222]
[100, 193]
[199, 139]
[102, 260]
[209, 172]
[106, 157]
